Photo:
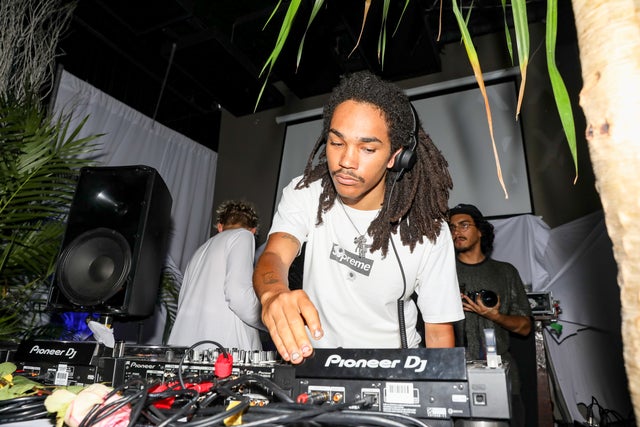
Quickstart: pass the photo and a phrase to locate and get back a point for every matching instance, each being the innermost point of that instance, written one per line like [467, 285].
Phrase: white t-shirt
[217, 301]
[356, 296]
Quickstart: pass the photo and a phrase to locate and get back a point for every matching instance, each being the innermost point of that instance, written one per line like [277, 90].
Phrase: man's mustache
[347, 172]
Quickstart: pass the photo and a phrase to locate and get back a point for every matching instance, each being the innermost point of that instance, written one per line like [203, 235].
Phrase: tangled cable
[24, 408]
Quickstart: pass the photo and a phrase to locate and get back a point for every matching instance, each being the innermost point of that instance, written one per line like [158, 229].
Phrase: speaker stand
[140, 335]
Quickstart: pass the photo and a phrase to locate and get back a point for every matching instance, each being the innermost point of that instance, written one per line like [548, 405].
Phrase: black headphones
[407, 157]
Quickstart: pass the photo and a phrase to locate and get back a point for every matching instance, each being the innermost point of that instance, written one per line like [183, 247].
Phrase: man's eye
[369, 150]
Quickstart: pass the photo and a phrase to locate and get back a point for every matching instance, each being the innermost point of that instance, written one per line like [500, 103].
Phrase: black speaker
[406, 158]
[115, 243]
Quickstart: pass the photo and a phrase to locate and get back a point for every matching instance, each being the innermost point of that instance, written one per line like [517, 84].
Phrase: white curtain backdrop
[575, 263]
[131, 138]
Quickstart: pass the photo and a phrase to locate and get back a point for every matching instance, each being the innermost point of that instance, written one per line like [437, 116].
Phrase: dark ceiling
[179, 61]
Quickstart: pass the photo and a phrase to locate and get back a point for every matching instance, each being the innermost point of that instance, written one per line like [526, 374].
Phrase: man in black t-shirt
[492, 292]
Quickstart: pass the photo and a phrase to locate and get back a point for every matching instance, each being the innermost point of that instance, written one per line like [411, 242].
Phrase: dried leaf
[367, 5]
[477, 71]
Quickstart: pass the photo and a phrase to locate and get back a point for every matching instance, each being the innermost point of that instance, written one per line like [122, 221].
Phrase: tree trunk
[609, 41]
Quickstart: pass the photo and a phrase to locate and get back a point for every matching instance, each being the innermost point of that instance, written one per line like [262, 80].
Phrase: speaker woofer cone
[94, 266]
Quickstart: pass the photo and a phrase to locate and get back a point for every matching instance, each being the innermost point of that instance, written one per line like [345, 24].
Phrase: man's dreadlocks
[418, 203]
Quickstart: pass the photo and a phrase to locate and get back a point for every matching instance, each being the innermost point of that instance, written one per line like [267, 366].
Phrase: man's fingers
[280, 348]
[311, 318]
[286, 316]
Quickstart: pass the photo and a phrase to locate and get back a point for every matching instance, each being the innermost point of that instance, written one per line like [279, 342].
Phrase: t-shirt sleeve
[438, 290]
[294, 212]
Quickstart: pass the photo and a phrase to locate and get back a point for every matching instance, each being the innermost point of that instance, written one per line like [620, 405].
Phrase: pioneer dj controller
[434, 384]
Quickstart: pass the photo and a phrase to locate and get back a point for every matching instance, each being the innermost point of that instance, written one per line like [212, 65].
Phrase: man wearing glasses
[492, 292]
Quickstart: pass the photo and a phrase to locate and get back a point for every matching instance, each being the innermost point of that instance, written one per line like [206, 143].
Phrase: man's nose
[349, 158]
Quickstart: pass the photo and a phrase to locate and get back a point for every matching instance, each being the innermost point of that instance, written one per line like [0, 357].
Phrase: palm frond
[168, 298]
[519, 10]
[507, 34]
[40, 158]
[560, 93]
[283, 35]
[382, 39]
[316, 8]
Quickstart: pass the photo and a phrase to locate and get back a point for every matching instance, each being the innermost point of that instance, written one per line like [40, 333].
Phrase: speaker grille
[94, 266]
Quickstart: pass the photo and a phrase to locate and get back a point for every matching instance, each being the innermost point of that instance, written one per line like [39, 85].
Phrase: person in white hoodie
[217, 301]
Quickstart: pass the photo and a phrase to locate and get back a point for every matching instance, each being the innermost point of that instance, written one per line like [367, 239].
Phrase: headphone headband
[406, 158]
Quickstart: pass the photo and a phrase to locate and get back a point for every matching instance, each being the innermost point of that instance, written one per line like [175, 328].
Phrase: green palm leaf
[519, 10]
[507, 34]
[560, 94]
[285, 28]
[39, 162]
[382, 38]
[316, 8]
[168, 298]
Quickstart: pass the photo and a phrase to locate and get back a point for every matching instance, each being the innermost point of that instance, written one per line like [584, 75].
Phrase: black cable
[215, 419]
[22, 409]
[405, 419]
[266, 383]
[100, 412]
[20, 403]
[304, 414]
[137, 408]
[186, 353]
[185, 408]
[154, 415]
[357, 419]
[400, 302]
[25, 417]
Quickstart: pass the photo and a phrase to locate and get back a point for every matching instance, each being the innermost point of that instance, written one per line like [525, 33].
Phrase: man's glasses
[463, 226]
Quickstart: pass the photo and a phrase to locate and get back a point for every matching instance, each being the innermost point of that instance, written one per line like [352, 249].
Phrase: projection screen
[455, 118]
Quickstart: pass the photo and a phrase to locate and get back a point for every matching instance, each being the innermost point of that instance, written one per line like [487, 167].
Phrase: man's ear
[220, 228]
[392, 160]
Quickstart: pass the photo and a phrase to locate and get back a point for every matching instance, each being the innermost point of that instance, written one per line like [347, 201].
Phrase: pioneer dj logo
[412, 362]
[69, 353]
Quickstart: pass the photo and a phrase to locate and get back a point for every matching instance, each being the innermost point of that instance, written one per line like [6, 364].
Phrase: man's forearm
[270, 276]
[517, 324]
[439, 335]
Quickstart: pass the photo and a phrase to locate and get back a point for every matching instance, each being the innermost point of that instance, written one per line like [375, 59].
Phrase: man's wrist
[270, 294]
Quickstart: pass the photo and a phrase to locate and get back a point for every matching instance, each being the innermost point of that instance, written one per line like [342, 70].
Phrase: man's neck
[471, 257]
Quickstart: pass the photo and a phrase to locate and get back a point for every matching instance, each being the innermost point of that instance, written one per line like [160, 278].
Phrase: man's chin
[348, 193]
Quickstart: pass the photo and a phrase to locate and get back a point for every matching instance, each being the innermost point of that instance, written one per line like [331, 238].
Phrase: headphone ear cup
[404, 160]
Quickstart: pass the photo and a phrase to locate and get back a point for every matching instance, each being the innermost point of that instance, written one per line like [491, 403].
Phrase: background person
[371, 207]
[217, 301]
[473, 241]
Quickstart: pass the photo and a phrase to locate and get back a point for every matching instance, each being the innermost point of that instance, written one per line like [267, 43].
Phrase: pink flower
[92, 395]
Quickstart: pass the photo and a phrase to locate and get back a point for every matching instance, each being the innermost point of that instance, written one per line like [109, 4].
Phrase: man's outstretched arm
[284, 312]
